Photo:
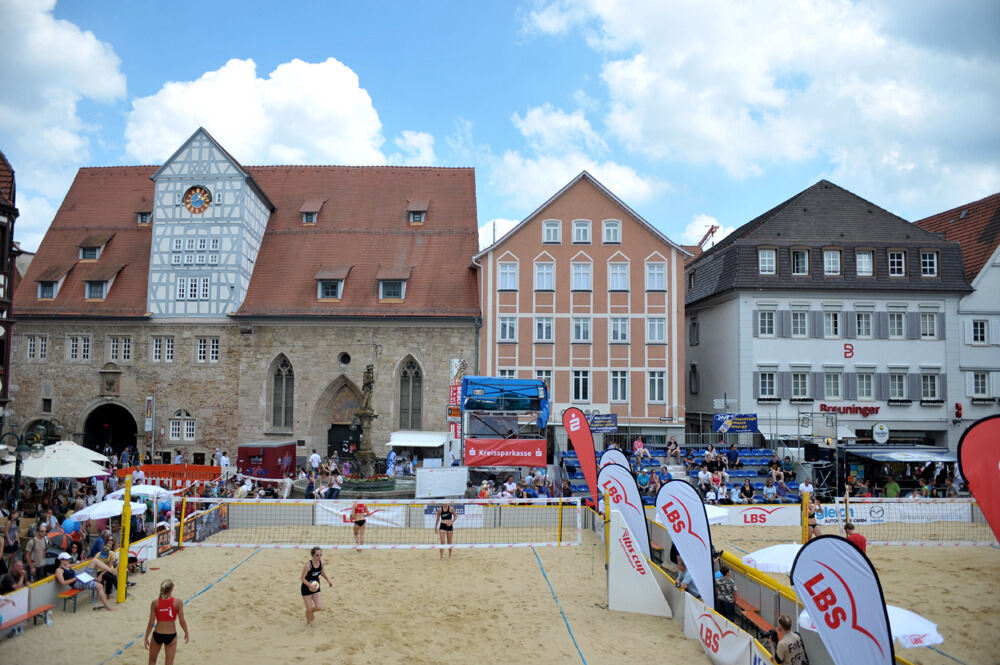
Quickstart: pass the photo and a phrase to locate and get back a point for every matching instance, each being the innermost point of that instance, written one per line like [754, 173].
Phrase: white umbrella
[152, 491]
[73, 448]
[55, 465]
[105, 509]
[773, 559]
[911, 629]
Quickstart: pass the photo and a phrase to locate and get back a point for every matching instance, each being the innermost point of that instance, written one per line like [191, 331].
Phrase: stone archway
[110, 424]
[332, 416]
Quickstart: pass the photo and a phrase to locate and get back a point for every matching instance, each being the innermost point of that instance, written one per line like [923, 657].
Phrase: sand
[482, 606]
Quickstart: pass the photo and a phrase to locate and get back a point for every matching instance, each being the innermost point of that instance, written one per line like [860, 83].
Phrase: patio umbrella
[55, 465]
[73, 448]
[773, 559]
[105, 509]
[151, 491]
[59, 538]
[909, 628]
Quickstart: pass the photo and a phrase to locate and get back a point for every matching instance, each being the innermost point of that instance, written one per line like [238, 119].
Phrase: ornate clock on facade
[197, 199]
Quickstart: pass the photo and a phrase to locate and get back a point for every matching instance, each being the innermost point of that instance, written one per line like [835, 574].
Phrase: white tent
[773, 559]
[73, 448]
[105, 509]
[54, 464]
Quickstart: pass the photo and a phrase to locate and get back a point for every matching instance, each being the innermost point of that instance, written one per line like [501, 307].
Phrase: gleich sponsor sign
[505, 452]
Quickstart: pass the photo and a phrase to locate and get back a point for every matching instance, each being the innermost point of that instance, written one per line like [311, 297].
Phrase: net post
[123, 545]
[559, 534]
[805, 517]
[180, 538]
[607, 530]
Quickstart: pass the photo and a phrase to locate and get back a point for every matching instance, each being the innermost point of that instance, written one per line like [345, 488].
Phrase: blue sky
[692, 112]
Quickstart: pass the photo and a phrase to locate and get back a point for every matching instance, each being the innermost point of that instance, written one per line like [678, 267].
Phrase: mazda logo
[877, 512]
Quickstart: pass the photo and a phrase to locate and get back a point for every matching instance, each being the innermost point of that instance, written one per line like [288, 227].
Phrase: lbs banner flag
[679, 506]
[839, 588]
[623, 493]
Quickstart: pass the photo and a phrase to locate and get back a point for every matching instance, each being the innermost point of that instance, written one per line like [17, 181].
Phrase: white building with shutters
[827, 305]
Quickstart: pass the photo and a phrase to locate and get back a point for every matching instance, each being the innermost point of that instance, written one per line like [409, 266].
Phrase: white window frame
[656, 276]
[309, 217]
[545, 276]
[544, 329]
[581, 231]
[656, 330]
[798, 269]
[583, 276]
[201, 354]
[831, 262]
[833, 385]
[545, 376]
[831, 325]
[618, 276]
[213, 244]
[767, 385]
[178, 245]
[928, 325]
[765, 323]
[896, 260]
[928, 264]
[581, 386]
[47, 290]
[96, 290]
[402, 289]
[189, 430]
[322, 286]
[507, 276]
[507, 373]
[979, 331]
[213, 349]
[29, 347]
[865, 385]
[800, 385]
[582, 330]
[612, 232]
[866, 267]
[507, 329]
[618, 329]
[619, 385]
[202, 244]
[897, 385]
[897, 332]
[551, 232]
[90, 253]
[767, 261]
[656, 384]
[980, 384]
[929, 386]
[863, 325]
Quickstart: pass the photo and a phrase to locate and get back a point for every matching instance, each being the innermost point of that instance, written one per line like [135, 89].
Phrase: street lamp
[29, 444]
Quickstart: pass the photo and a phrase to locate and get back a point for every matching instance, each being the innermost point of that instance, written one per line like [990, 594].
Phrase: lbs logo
[834, 614]
[633, 555]
[711, 633]
[757, 515]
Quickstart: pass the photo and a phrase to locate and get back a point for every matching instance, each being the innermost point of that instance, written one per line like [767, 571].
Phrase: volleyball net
[916, 521]
[390, 524]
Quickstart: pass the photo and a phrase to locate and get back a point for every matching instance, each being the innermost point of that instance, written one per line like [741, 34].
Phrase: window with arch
[182, 426]
[283, 394]
[410, 394]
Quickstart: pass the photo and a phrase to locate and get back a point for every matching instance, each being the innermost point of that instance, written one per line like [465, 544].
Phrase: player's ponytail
[166, 587]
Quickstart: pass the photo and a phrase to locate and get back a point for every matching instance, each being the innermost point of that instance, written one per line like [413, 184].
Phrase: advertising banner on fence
[679, 506]
[338, 513]
[583, 443]
[765, 515]
[623, 493]
[721, 640]
[916, 511]
[631, 584]
[614, 456]
[839, 588]
[603, 423]
[734, 423]
[978, 460]
[505, 452]
[467, 516]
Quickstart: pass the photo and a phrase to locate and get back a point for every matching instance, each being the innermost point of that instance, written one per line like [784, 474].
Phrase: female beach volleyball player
[359, 515]
[445, 525]
[165, 612]
[815, 508]
[311, 573]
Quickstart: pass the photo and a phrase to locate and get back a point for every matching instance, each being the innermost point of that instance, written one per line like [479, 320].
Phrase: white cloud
[548, 128]
[700, 224]
[36, 214]
[750, 86]
[302, 113]
[418, 149]
[493, 230]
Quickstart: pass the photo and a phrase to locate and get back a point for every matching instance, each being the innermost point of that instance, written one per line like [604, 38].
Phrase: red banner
[979, 459]
[505, 452]
[582, 441]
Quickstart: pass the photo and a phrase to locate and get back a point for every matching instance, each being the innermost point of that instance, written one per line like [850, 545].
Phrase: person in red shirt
[856, 538]
[165, 612]
[359, 515]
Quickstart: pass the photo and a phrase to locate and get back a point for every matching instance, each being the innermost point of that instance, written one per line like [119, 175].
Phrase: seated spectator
[747, 491]
[736, 495]
[711, 457]
[66, 578]
[733, 458]
[689, 461]
[710, 497]
[654, 484]
[484, 490]
[806, 486]
[717, 482]
[15, 578]
[725, 593]
[770, 492]
[924, 491]
[642, 479]
[788, 468]
[783, 493]
[684, 580]
[673, 451]
[639, 449]
[663, 475]
[704, 479]
[776, 472]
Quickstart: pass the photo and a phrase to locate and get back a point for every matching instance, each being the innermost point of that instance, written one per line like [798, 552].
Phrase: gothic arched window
[283, 395]
[410, 394]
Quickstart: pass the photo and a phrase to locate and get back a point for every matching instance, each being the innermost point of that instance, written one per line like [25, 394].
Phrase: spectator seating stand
[33, 615]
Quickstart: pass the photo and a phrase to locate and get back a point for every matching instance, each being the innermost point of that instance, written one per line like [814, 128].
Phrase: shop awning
[903, 454]
[415, 439]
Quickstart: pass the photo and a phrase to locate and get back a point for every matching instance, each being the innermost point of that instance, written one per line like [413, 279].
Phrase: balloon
[69, 526]
[164, 505]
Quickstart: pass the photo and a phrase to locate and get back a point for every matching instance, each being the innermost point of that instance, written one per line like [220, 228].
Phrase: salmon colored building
[587, 295]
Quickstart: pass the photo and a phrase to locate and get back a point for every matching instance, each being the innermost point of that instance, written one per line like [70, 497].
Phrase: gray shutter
[943, 387]
[784, 385]
[818, 389]
[995, 380]
[940, 325]
[882, 386]
[816, 325]
[756, 323]
[881, 325]
[968, 331]
[970, 384]
[784, 323]
[850, 387]
[913, 386]
[913, 325]
[756, 385]
[850, 323]
[994, 337]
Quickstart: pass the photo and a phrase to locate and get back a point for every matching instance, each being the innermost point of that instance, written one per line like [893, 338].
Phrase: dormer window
[144, 217]
[310, 210]
[90, 253]
[46, 290]
[96, 290]
[308, 218]
[330, 282]
[417, 210]
[329, 288]
[50, 280]
[91, 247]
[391, 289]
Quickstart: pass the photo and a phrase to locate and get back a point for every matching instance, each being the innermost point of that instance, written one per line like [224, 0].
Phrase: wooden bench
[752, 616]
[70, 594]
[33, 615]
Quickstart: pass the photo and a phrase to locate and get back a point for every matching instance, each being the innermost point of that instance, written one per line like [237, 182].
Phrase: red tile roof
[362, 225]
[975, 226]
[6, 182]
